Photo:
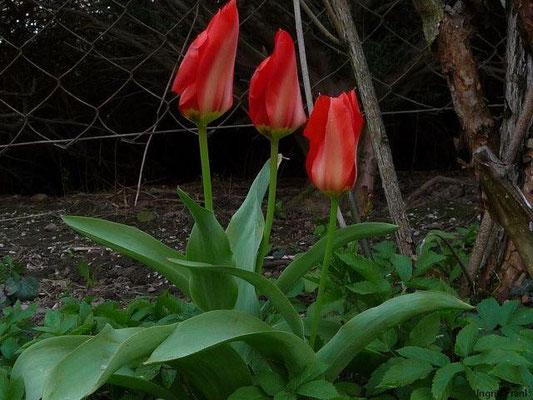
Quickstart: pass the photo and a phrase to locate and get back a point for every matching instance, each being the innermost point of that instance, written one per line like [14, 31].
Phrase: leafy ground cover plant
[14, 283]
[248, 339]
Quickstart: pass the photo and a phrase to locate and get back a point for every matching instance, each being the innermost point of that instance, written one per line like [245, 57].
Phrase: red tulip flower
[333, 131]
[275, 100]
[205, 77]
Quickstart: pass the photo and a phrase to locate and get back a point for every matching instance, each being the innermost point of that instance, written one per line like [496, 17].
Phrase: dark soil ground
[31, 231]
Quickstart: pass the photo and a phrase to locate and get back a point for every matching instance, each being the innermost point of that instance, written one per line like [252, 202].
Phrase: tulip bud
[275, 100]
[333, 131]
[205, 78]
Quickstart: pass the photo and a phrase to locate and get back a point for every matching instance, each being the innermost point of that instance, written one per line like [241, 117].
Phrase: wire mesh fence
[74, 71]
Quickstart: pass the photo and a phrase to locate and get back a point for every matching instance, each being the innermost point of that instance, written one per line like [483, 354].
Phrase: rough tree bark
[507, 263]
[348, 32]
[460, 68]
[506, 203]
[450, 27]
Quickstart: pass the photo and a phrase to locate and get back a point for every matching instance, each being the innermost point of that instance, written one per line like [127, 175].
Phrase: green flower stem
[325, 266]
[271, 206]
[206, 173]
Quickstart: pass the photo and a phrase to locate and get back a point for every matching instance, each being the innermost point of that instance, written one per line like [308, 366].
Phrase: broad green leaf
[370, 271]
[366, 287]
[491, 342]
[489, 312]
[125, 377]
[285, 396]
[524, 316]
[10, 389]
[481, 382]
[35, 363]
[356, 334]
[214, 328]
[497, 356]
[426, 260]
[318, 389]
[270, 382]
[513, 373]
[423, 393]
[245, 232]
[443, 380]
[466, 339]
[403, 266]
[378, 374]
[133, 243]
[405, 372]
[305, 262]
[434, 357]
[216, 372]
[266, 287]
[91, 364]
[209, 243]
[426, 331]
[248, 393]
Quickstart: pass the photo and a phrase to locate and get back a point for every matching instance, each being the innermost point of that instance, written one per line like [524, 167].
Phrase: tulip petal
[333, 131]
[283, 97]
[217, 61]
[256, 96]
[186, 75]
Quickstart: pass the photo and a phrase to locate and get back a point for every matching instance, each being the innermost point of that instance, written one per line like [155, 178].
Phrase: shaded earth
[32, 233]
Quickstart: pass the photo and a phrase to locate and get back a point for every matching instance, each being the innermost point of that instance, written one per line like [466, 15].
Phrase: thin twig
[461, 264]
[318, 24]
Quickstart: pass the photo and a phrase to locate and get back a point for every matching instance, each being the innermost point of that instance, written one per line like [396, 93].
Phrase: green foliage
[484, 352]
[244, 336]
[14, 284]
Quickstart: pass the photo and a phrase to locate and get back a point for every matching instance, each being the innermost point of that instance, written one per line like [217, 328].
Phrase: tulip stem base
[271, 206]
[325, 266]
[206, 173]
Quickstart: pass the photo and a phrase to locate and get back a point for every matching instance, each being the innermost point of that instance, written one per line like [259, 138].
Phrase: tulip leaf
[125, 377]
[266, 287]
[356, 334]
[35, 363]
[216, 372]
[83, 370]
[133, 243]
[245, 232]
[303, 263]
[209, 243]
[211, 329]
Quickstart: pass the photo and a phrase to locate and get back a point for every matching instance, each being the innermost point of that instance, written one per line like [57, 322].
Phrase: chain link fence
[98, 72]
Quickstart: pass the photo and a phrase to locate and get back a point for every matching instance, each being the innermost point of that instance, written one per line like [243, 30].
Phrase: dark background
[76, 70]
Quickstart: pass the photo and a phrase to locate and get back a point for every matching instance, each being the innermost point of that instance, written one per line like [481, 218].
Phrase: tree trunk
[380, 143]
[507, 263]
[459, 67]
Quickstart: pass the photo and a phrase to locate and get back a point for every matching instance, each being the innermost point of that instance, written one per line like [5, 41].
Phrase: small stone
[51, 227]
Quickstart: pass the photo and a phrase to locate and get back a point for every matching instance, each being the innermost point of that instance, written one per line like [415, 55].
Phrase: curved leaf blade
[37, 361]
[208, 372]
[209, 243]
[266, 287]
[356, 334]
[211, 329]
[245, 232]
[299, 267]
[126, 378]
[91, 364]
[133, 243]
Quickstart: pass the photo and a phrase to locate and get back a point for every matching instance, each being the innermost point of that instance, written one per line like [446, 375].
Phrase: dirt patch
[31, 230]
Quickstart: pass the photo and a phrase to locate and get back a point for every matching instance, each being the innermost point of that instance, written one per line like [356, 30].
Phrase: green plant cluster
[14, 283]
